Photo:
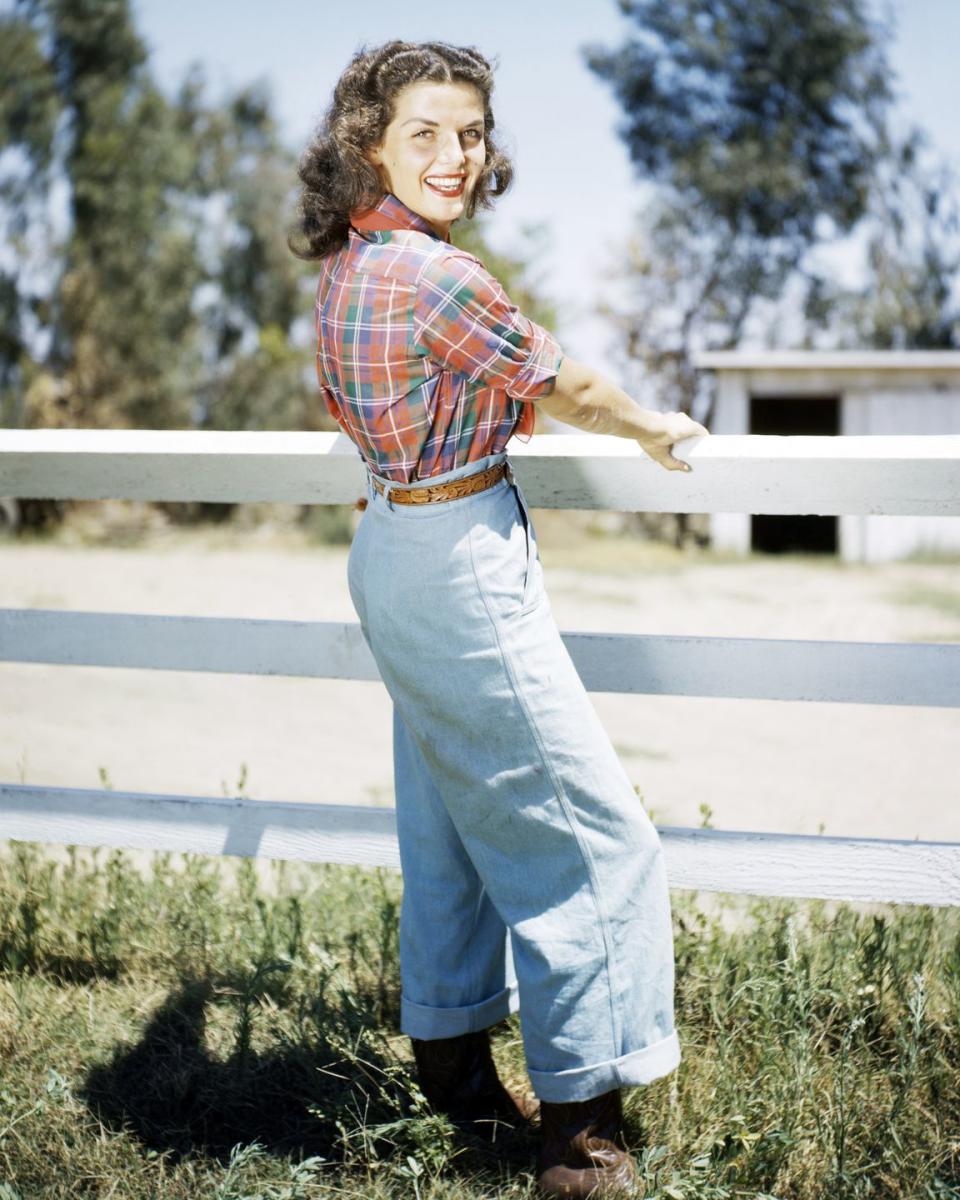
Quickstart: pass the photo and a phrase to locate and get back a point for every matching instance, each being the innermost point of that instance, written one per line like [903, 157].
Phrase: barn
[835, 393]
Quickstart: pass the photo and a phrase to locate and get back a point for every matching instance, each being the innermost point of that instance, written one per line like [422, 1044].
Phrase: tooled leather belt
[434, 493]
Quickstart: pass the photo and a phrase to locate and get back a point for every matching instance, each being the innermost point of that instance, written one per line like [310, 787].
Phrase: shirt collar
[390, 212]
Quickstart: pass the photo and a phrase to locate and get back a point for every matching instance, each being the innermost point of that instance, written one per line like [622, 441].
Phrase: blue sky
[556, 116]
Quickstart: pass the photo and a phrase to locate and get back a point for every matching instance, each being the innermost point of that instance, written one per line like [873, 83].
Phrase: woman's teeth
[445, 185]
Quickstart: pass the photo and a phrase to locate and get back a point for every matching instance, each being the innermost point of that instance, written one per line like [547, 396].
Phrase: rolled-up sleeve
[465, 322]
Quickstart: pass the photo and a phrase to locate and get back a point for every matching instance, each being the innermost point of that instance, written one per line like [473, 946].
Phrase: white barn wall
[915, 408]
[730, 531]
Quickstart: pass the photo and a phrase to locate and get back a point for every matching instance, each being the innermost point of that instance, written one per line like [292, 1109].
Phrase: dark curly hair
[336, 176]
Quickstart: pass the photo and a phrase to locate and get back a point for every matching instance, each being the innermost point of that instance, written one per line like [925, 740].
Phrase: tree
[168, 300]
[136, 335]
[118, 310]
[28, 116]
[261, 378]
[908, 299]
[760, 124]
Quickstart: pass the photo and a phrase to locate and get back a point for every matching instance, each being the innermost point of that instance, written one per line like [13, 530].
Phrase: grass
[176, 1028]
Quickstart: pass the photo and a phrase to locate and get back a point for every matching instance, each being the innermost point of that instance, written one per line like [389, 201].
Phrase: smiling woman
[533, 877]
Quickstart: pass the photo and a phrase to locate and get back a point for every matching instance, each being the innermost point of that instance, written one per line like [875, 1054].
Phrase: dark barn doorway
[813, 416]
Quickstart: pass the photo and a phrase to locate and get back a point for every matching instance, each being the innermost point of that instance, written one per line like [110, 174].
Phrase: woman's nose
[452, 151]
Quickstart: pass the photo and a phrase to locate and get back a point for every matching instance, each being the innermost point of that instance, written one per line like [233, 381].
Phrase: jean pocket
[533, 576]
[503, 552]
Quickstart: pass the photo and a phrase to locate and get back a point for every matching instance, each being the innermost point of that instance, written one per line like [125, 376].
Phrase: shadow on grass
[335, 1090]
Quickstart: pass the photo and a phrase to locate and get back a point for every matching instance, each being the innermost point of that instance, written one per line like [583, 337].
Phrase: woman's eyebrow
[425, 121]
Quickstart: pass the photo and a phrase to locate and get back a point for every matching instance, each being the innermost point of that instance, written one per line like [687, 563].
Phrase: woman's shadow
[301, 1098]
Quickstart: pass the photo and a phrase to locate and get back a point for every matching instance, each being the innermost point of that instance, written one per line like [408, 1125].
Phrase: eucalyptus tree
[145, 283]
[113, 271]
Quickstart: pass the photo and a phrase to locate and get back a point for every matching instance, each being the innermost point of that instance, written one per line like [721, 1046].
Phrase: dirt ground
[791, 766]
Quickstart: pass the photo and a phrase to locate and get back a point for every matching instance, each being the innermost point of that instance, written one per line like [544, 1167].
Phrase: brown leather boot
[459, 1077]
[582, 1150]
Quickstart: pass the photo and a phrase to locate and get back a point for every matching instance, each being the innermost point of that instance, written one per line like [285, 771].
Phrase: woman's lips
[447, 191]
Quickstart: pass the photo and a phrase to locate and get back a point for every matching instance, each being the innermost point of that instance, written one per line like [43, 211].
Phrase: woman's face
[435, 138]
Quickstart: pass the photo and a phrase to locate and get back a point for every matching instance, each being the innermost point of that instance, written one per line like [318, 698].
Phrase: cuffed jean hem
[422, 1021]
[582, 1083]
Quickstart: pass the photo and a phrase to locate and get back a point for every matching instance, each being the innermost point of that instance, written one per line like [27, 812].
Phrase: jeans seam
[364, 627]
[564, 804]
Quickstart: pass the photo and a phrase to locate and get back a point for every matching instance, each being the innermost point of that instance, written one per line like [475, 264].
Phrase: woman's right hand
[676, 427]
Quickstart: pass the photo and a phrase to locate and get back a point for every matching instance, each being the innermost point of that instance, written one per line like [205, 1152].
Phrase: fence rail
[895, 475]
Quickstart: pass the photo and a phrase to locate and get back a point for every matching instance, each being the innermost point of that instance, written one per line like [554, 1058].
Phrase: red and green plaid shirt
[421, 357]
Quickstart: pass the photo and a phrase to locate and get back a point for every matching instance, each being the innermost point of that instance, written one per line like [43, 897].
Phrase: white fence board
[241, 645]
[896, 474]
[783, 864]
[199, 824]
[768, 864]
[661, 665]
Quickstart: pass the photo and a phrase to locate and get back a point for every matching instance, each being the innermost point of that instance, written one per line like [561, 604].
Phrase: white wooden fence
[831, 476]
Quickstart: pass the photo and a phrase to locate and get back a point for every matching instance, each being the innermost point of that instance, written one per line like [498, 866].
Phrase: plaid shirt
[421, 357]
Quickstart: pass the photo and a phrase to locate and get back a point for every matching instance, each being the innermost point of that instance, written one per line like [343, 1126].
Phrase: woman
[533, 878]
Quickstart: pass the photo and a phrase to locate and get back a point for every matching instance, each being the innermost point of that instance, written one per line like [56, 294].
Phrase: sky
[555, 116]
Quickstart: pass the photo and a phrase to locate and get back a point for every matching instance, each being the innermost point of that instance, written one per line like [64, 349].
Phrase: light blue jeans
[533, 877]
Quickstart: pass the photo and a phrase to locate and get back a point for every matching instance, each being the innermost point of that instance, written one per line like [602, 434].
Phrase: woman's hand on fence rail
[676, 427]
